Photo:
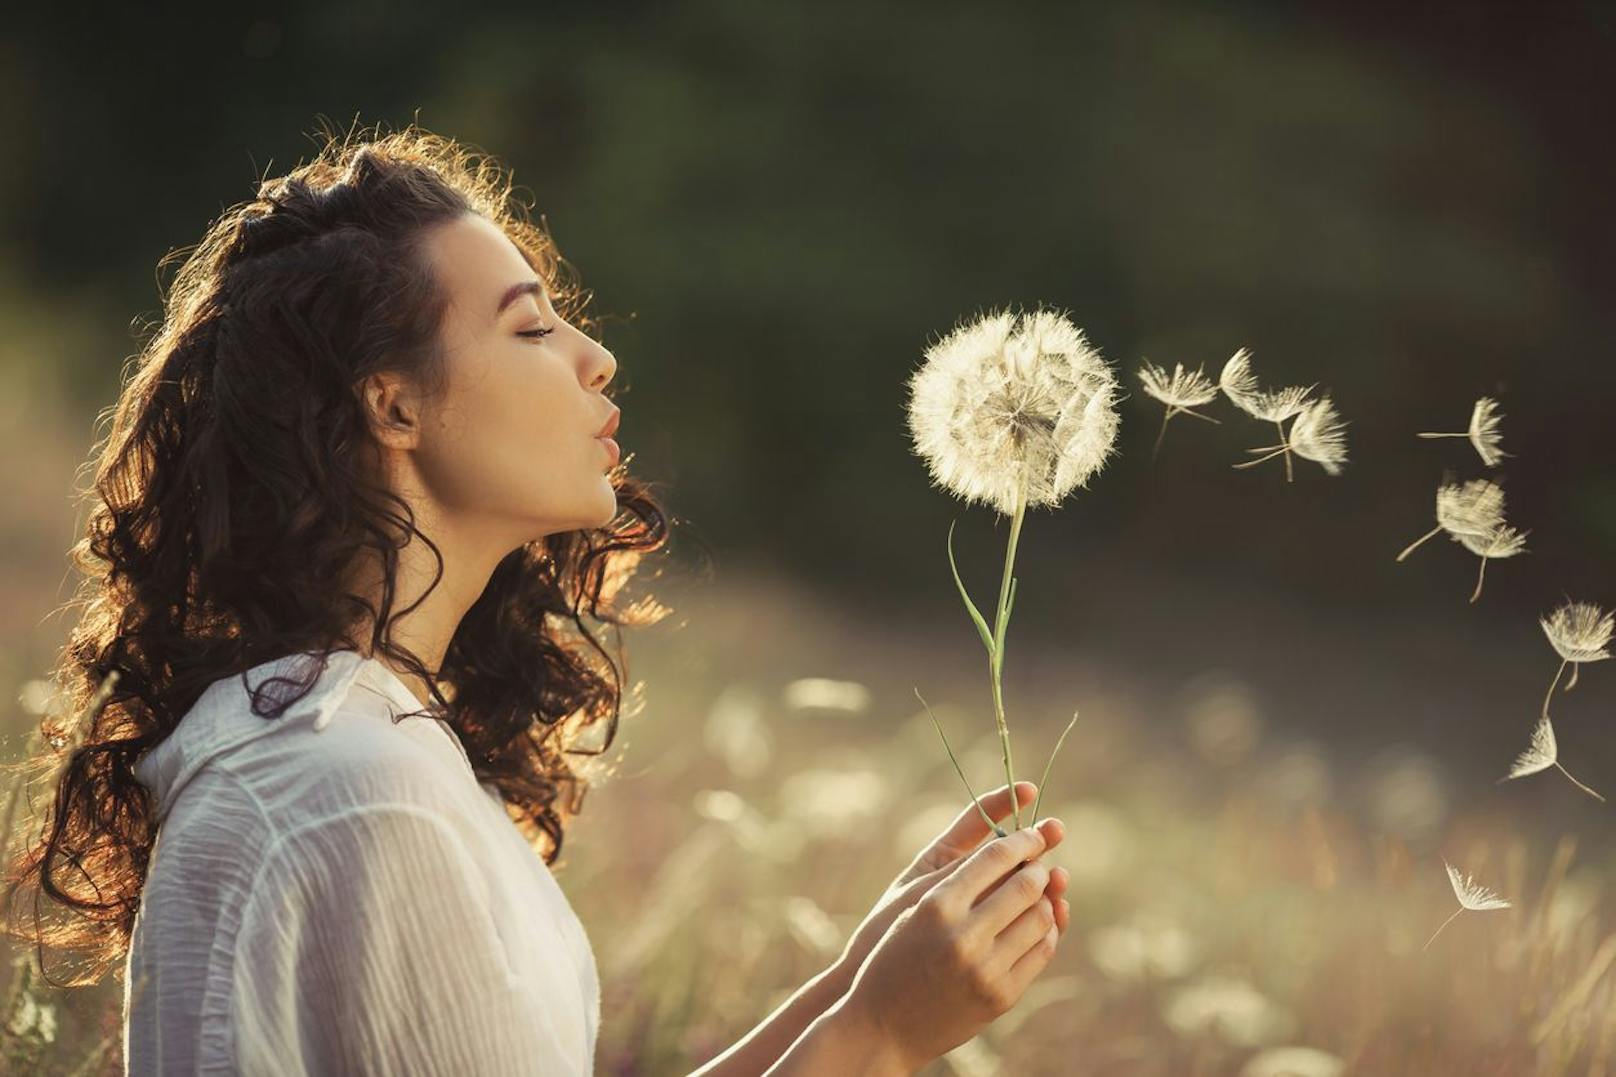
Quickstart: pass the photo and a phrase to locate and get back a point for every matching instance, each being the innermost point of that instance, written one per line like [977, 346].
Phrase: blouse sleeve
[368, 947]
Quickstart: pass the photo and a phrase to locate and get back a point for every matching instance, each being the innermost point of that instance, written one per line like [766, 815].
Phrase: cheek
[499, 447]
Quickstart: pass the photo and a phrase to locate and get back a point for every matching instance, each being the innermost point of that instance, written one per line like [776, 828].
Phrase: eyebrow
[517, 291]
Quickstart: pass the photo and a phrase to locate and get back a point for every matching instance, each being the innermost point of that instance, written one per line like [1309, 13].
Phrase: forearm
[759, 1049]
[842, 1041]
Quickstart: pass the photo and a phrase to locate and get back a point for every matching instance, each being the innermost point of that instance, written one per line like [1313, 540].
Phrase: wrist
[878, 1052]
[837, 979]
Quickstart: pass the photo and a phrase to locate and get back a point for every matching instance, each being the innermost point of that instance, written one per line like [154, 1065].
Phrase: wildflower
[1483, 432]
[1011, 412]
[1542, 753]
[1318, 434]
[1578, 632]
[1180, 391]
[1471, 896]
[1239, 384]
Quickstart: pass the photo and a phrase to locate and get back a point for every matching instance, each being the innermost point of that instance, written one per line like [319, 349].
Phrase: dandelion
[1180, 391]
[1541, 754]
[1471, 896]
[1239, 384]
[1011, 412]
[1318, 434]
[1502, 541]
[1483, 432]
[1579, 632]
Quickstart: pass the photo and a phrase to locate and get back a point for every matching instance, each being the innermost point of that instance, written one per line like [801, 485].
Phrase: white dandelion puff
[1542, 753]
[1472, 896]
[1181, 391]
[1483, 432]
[1579, 632]
[1001, 397]
[1239, 384]
[1474, 508]
[1502, 541]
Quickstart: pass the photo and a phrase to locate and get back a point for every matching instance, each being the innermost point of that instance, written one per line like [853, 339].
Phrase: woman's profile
[357, 498]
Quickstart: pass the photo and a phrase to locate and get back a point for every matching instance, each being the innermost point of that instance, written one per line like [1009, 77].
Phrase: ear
[392, 405]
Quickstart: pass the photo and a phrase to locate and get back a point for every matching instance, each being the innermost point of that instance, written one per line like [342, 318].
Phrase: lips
[611, 424]
[612, 449]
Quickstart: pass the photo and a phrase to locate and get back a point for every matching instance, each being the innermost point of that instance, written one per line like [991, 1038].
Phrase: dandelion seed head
[1502, 541]
[1579, 631]
[1003, 396]
[1318, 434]
[1540, 754]
[1484, 434]
[1239, 384]
[1475, 507]
[1180, 389]
[1471, 894]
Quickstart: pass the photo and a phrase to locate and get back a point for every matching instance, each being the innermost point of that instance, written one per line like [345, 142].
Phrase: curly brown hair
[232, 500]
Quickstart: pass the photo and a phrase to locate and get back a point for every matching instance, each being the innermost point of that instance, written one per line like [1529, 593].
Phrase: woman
[357, 476]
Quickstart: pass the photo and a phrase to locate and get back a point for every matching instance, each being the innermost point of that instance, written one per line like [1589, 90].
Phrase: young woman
[359, 475]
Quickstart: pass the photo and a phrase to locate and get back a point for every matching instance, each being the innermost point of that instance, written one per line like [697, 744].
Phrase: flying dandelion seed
[1483, 432]
[1579, 632]
[1180, 391]
[1318, 434]
[1239, 384]
[1471, 895]
[1472, 514]
[1542, 753]
[1011, 412]
[1501, 542]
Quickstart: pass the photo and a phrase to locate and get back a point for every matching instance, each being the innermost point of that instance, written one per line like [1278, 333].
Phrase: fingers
[967, 830]
[1053, 831]
[1059, 880]
[988, 865]
[1024, 932]
[1027, 967]
[1023, 890]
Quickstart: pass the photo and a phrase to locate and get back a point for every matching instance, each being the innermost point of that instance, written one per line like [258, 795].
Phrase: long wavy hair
[234, 496]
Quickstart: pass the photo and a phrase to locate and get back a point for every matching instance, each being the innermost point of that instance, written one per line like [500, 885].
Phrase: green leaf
[995, 827]
[1044, 782]
[976, 614]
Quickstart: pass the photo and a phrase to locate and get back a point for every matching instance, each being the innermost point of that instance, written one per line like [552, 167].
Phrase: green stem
[1001, 623]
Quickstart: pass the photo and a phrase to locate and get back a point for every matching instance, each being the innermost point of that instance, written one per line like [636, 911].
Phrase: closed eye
[536, 334]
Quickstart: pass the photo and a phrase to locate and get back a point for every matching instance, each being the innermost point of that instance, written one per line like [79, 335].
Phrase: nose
[605, 367]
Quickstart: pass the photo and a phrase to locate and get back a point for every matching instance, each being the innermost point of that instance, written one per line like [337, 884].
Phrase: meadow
[1243, 903]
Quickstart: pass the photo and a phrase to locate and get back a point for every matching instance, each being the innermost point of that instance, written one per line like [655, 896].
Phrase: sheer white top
[334, 893]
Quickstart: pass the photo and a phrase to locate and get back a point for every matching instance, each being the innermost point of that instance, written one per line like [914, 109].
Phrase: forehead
[476, 262]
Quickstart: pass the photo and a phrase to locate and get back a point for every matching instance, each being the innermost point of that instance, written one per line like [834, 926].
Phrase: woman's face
[512, 442]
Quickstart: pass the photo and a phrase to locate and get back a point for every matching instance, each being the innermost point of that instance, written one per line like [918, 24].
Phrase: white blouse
[334, 893]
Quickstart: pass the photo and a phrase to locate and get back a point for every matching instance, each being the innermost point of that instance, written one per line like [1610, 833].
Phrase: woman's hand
[941, 859]
[959, 957]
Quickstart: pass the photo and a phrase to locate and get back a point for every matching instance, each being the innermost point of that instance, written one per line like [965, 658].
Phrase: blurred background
[779, 206]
